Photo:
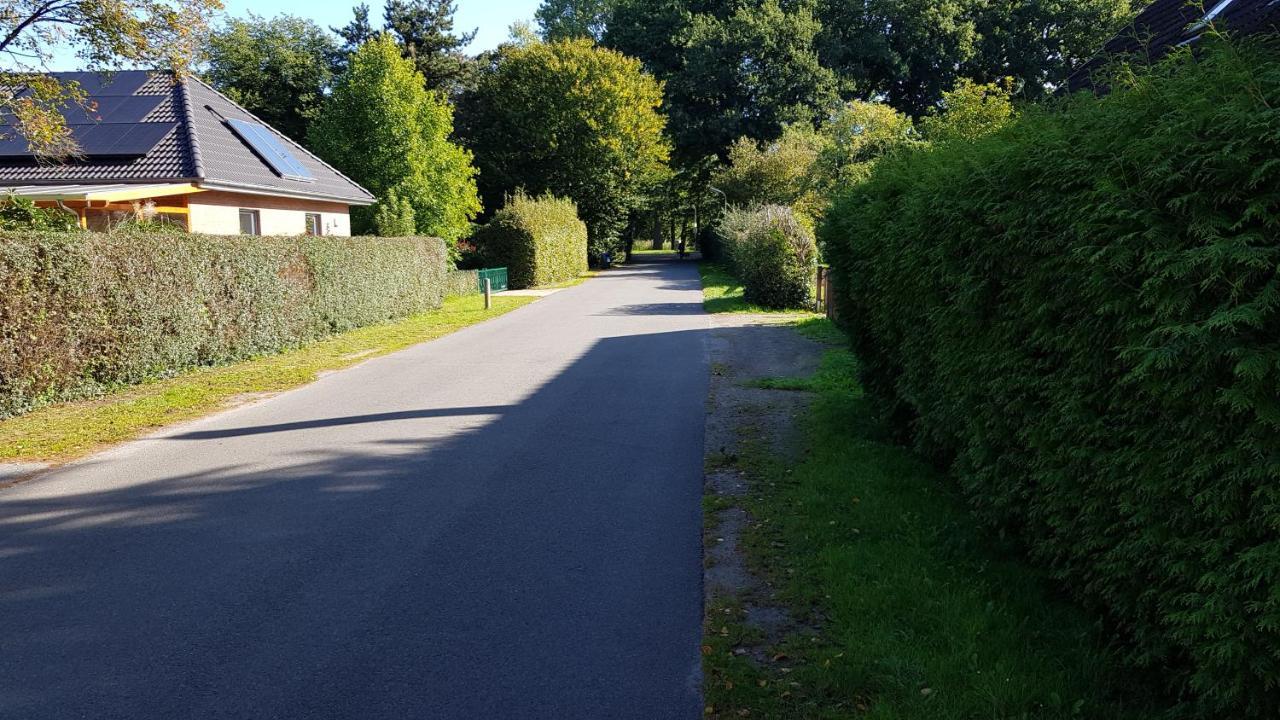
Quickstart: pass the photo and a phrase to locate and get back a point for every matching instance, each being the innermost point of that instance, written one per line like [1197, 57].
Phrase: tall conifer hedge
[1080, 314]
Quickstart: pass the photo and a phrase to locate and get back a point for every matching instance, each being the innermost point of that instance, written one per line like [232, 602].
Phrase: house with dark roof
[185, 152]
[1168, 24]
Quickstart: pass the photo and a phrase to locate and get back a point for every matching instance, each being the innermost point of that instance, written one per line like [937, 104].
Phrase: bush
[19, 213]
[83, 312]
[539, 240]
[1079, 314]
[461, 282]
[772, 253]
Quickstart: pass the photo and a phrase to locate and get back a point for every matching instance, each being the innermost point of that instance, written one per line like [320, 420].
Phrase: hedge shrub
[539, 240]
[1081, 315]
[772, 253]
[458, 283]
[81, 312]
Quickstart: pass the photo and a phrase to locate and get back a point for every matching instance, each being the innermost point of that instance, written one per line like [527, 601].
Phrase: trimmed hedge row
[82, 312]
[772, 253]
[539, 240]
[1081, 315]
[461, 282]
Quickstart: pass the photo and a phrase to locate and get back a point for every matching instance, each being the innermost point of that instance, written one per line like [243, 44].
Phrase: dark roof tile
[202, 148]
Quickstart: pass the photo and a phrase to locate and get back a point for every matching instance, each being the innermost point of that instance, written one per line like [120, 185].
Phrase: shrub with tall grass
[772, 252]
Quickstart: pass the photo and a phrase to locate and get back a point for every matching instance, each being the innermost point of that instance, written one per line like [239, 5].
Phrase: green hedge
[772, 253]
[461, 282]
[540, 241]
[82, 312]
[1081, 314]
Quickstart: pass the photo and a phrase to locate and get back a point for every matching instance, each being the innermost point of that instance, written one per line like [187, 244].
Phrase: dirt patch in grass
[745, 621]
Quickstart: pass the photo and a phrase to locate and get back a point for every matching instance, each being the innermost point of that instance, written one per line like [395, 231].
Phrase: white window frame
[257, 221]
[306, 223]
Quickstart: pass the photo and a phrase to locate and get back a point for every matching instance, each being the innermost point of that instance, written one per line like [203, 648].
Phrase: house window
[249, 223]
[314, 224]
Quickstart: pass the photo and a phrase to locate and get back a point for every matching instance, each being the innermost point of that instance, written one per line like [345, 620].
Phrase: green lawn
[69, 430]
[722, 292]
[908, 609]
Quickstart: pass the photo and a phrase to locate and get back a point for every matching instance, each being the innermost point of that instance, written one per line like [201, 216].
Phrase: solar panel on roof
[114, 109]
[93, 84]
[103, 140]
[265, 144]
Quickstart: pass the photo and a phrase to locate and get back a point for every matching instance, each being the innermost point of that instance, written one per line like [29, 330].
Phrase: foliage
[425, 31]
[459, 283]
[773, 253]
[104, 35]
[934, 43]
[856, 135]
[573, 120]
[1086, 335]
[358, 31]
[404, 142]
[82, 312]
[19, 213]
[277, 68]
[967, 112]
[393, 216]
[747, 74]
[780, 173]
[540, 241]
[571, 19]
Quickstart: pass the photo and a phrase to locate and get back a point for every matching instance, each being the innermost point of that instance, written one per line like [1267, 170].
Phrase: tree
[570, 19]
[967, 112]
[909, 51]
[425, 30]
[571, 119]
[277, 68]
[1041, 43]
[782, 172]
[858, 134]
[105, 35]
[747, 72]
[393, 216]
[354, 35]
[904, 51]
[403, 149]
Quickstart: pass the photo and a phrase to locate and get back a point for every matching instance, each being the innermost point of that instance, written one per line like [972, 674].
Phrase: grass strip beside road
[63, 432]
[723, 293]
[905, 607]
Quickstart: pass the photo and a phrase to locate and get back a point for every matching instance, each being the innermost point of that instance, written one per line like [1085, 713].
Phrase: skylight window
[1214, 12]
[272, 152]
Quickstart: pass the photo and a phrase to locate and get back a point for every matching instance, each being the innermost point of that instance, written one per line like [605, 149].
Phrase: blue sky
[491, 17]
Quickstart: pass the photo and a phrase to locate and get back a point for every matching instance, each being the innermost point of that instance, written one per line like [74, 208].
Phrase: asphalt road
[504, 523]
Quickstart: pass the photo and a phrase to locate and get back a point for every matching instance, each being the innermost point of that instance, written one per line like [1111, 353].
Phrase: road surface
[503, 523]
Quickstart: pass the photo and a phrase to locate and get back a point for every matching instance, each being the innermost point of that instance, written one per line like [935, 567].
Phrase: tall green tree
[782, 172]
[747, 74]
[571, 119]
[277, 68]
[385, 130]
[354, 34]
[569, 19]
[425, 31]
[909, 52]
